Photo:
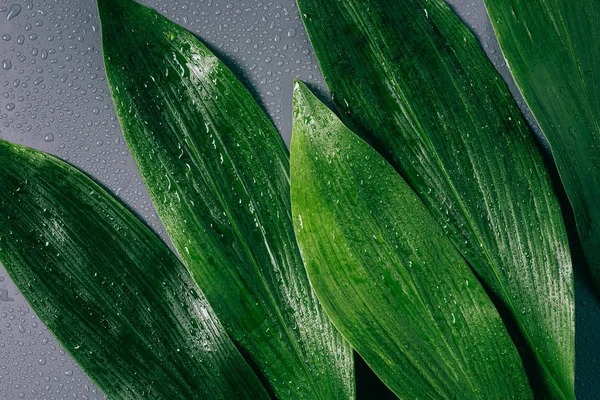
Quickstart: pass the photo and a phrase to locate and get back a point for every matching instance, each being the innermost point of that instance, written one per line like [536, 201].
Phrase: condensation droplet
[6, 65]
[13, 11]
[49, 137]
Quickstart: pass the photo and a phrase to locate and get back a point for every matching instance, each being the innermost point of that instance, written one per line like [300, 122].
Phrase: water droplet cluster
[264, 42]
[32, 364]
[54, 97]
[473, 13]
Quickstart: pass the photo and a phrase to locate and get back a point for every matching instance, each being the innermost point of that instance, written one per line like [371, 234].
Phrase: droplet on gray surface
[6, 64]
[72, 110]
[13, 11]
[4, 295]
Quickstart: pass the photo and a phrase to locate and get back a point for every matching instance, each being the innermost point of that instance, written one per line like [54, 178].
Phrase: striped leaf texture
[411, 79]
[392, 282]
[217, 172]
[553, 52]
[114, 295]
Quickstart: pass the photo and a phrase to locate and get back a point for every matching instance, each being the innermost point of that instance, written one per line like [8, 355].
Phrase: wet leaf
[391, 281]
[217, 172]
[553, 48]
[112, 293]
[410, 78]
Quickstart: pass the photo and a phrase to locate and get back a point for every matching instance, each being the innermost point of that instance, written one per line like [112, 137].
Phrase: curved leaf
[389, 278]
[217, 171]
[553, 51]
[112, 293]
[411, 79]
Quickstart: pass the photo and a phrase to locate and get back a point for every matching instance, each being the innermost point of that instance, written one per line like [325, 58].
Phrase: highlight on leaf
[394, 254]
[111, 292]
[552, 49]
[217, 172]
[389, 278]
[411, 79]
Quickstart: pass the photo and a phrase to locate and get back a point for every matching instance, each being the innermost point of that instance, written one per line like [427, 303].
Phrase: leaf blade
[411, 79]
[393, 284]
[111, 292]
[552, 48]
[221, 189]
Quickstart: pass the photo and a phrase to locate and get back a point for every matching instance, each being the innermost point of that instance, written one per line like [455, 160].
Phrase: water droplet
[49, 137]
[10, 106]
[6, 37]
[6, 65]
[4, 295]
[291, 33]
[13, 11]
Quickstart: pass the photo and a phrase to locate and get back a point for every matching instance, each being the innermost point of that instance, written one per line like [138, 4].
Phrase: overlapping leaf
[217, 172]
[112, 293]
[553, 51]
[411, 79]
[391, 281]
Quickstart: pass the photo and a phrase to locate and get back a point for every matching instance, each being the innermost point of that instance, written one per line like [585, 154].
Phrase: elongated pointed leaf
[217, 171]
[411, 79]
[389, 278]
[553, 51]
[112, 293]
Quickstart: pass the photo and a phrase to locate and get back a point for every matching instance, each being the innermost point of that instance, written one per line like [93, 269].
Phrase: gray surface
[54, 97]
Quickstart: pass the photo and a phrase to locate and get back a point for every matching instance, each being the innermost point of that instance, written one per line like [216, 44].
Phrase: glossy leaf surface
[217, 172]
[113, 294]
[410, 78]
[392, 282]
[553, 51]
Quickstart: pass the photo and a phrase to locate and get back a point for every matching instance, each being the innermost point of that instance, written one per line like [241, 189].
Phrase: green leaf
[386, 274]
[553, 48]
[411, 79]
[112, 293]
[217, 172]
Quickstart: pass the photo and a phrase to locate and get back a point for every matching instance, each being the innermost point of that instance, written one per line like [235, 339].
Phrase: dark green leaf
[411, 79]
[217, 171]
[112, 293]
[553, 51]
[386, 274]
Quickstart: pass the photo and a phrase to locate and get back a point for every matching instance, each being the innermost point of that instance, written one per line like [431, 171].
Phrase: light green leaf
[217, 172]
[388, 277]
[553, 51]
[410, 78]
[112, 293]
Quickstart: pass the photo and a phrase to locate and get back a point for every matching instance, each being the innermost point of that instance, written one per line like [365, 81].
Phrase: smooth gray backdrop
[54, 97]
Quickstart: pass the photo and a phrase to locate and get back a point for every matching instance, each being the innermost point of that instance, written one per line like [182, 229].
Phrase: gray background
[54, 97]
